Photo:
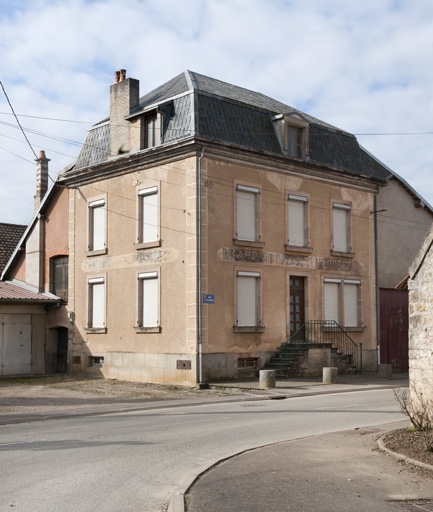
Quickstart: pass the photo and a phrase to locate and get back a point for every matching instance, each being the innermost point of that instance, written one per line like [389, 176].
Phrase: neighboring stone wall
[421, 324]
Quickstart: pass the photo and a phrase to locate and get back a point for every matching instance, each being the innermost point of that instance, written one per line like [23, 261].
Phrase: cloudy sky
[365, 67]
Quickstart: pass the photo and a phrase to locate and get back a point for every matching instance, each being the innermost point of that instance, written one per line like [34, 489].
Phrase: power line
[17, 120]
[48, 118]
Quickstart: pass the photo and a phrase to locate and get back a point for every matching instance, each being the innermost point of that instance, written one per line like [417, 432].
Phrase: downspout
[376, 264]
[201, 384]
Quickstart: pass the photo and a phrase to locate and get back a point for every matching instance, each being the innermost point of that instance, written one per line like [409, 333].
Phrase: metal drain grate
[415, 505]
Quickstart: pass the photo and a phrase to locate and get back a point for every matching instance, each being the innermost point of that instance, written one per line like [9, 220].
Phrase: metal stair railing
[329, 332]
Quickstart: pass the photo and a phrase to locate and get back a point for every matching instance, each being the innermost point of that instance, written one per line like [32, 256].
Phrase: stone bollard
[330, 375]
[267, 379]
[384, 371]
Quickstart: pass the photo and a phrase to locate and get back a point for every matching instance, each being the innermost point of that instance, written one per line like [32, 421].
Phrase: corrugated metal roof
[12, 292]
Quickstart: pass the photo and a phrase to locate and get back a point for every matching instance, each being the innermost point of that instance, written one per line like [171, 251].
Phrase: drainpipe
[376, 264]
[201, 384]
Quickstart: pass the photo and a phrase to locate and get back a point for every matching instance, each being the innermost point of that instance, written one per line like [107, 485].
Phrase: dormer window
[151, 131]
[294, 138]
[292, 131]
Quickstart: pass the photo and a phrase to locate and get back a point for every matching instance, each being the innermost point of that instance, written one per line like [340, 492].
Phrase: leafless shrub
[420, 414]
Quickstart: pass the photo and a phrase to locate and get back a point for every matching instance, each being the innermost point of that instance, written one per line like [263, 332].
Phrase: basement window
[248, 362]
[96, 361]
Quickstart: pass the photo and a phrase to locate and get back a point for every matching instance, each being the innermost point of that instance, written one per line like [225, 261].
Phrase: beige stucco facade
[224, 256]
[169, 354]
[401, 217]
[128, 352]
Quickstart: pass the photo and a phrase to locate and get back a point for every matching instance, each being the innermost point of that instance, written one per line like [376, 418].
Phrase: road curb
[398, 456]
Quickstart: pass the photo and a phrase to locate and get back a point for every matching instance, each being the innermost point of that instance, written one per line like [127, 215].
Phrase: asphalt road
[136, 461]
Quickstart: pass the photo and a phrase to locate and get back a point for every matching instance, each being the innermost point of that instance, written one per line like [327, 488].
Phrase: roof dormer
[293, 134]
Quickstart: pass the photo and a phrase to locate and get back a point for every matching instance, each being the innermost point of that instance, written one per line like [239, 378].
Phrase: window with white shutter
[341, 228]
[97, 225]
[148, 230]
[342, 301]
[351, 303]
[248, 299]
[296, 222]
[148, 301]
[96, 303]
[247, 225]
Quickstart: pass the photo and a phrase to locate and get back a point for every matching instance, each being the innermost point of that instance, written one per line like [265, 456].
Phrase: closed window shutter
[340, 227]
[332, 301]
[149, 215]
[247, 300]
[149, 313]
[351, 304]
[98, 227]
[296, 222]
[246, 215]
[98, 304]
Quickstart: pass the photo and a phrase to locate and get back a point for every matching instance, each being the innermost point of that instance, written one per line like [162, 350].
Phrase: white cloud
[363, 66]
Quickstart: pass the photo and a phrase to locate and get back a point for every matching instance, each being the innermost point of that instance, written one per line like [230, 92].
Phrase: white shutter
[97, 226]
[332, 300]
[150, 303]
[351, 303]
[149, 215]
[296, 221]
[246, 213]
[98, 303]
[340, 228]
[247, 299]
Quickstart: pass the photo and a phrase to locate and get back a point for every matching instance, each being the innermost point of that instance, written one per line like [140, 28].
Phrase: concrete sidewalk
[328, 473]
[333, 472]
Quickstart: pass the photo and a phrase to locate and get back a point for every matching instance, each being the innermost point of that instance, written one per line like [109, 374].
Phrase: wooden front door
[297, 303]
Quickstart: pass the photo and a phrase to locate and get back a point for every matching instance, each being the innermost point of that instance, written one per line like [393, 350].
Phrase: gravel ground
[19, 396]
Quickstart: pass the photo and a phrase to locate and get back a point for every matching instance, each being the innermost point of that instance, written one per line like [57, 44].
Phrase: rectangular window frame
[149, 277]
[59, 265]
[251, 280]
[152, 236]
[341, 221]
[348, 303]
[247, 224]
[94, 324]
[297, 205]
[151, 130]
[97, 236]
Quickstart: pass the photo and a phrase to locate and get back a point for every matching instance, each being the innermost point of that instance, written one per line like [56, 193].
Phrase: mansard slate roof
[200, 106]
[10, 235]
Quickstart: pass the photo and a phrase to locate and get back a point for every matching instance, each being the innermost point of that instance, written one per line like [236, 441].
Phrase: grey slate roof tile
[234, 115]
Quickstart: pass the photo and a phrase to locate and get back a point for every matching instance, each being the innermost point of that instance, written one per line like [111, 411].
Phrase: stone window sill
[253, 328]
[95, 330]
[248, 243]
[143, 330]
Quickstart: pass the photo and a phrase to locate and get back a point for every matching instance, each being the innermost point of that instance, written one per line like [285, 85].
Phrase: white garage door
[15, 344]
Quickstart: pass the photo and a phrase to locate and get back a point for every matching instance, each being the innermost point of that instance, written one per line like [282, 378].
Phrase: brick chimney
[41, 177]
[124, 96]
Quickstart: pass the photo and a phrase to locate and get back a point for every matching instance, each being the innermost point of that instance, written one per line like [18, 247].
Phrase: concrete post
[330, 375]
[267, 379]
[385, 371]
